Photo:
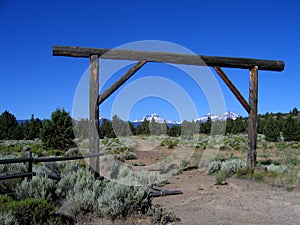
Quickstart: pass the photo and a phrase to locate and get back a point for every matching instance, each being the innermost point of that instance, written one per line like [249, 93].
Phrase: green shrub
[81, 180]
[30, 211]
[170, 143]
[230, 166]
[13, 168]
[292, 160]
[243, 171]
[142, 178]
[259, 176]
[221, 177]
[214, 167]
[224, 147]
[55, 152]
[269, 162]
[5, 199]
[81, 201]
[160, 215]
[47, 169]
[129, 155]
[39, 187]
[119, 201]
[276, 170]
[7, 218]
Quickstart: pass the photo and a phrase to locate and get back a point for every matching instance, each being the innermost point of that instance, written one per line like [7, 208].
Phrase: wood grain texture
[94, 112]
[198, 60]
[252, 132]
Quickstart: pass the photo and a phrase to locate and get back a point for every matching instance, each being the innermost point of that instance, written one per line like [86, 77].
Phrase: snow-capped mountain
[223, 117]
[157, 119]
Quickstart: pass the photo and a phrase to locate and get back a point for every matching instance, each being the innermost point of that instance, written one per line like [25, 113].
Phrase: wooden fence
[154, 191]
[31, 160]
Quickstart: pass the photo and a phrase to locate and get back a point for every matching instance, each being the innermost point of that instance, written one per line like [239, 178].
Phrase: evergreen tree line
[57, 132]
[274, 126]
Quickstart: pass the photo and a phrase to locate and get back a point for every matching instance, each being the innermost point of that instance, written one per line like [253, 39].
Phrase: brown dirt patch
[241, 201]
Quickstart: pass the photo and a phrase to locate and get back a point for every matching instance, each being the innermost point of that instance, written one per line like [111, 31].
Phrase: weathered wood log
[120, 82]
[15, 176]
[252, 132]
[15, 160]
[94, 112]
[233, 89]
[67, 158]
[159, 192]
[198, 60]
[29, 164]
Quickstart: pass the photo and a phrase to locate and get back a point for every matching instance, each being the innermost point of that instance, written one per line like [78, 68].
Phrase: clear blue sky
[35, 82]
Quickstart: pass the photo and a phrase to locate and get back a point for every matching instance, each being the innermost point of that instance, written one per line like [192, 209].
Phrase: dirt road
[239, 202]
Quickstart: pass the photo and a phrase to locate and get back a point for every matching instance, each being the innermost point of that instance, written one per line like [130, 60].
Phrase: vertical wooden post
[252, 132]
[29, 165]
[94, 113]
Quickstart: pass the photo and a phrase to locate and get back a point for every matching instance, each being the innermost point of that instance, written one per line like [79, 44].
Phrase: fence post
[94, 113]
[28, 155]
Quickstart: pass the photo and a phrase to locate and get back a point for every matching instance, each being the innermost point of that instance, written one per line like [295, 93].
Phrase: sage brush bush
[214, 167]
[81, 201]
[143, 178]
[12, 168]
[39, 187]
[119, 201]
[276, 170]
[47, 169]
[7, 218]
[231, 166]
[79, 180]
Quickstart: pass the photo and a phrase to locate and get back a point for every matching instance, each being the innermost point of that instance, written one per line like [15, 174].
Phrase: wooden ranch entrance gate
[94, 54]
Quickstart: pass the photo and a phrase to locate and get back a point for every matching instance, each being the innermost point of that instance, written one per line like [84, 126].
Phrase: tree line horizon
[275, 126]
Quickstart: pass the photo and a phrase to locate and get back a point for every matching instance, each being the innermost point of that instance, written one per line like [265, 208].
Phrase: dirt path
[239, 202]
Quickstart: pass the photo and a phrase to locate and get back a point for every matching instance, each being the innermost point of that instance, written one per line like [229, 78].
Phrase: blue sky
[35, 82]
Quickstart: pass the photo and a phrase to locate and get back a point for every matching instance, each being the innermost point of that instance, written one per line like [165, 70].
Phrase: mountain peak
[156, 118]
[223, 117]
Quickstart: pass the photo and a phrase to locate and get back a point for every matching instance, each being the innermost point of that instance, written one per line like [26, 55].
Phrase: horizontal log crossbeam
[197, 60]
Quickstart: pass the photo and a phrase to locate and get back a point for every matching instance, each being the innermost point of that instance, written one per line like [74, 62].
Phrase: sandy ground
[238, 202]
[241, 201]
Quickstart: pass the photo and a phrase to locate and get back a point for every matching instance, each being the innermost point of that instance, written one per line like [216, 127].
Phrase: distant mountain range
[170, 123]
[223, 117]
[158, 119]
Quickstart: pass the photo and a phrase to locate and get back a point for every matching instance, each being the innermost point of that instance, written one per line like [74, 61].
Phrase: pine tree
[106, 130]
[57, 133]
[271, 130]
[8, 126]
[143, 129]
[291, 129]
[174, 131]
[206, 127]
[32, 128]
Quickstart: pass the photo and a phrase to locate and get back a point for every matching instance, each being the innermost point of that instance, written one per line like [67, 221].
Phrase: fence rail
[30, 160]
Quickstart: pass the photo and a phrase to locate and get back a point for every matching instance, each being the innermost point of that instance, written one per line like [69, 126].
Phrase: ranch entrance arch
[94, 54]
